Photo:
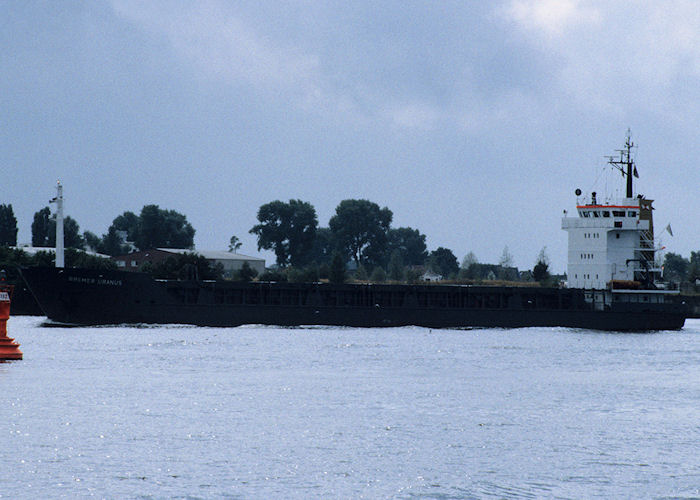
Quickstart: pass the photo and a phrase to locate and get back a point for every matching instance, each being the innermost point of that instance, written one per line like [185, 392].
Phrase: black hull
[89, 297]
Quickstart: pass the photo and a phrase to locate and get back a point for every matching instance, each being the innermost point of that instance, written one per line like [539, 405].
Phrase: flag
[668, 228]
[635, 173]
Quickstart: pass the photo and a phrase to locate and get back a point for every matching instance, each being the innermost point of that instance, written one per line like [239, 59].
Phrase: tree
[469, 259]
[288, 229]
[129, 223]
[163, 228]
[44, 230]
[234, 244]
[337, 271]
[71, 233]
[92, 241]
[112, 243]
[506, 259]
[694, 267]
[187, 266]
[378, 275]
[8, 226]
[396, 267]
[41, 228]
[323, 246]
[675, 267]
[360, 229]
[444, 262]
[540, 272]
[410, 243]
[246, 273]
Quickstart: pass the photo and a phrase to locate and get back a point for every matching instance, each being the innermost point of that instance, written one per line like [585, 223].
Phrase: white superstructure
[612, 241]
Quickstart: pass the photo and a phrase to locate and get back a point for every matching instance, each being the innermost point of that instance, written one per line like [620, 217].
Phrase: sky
[472, 121]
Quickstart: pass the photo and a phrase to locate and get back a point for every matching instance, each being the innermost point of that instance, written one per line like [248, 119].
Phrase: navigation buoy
[9, 349]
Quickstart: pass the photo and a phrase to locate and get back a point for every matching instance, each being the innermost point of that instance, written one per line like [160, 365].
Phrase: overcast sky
[472, 121]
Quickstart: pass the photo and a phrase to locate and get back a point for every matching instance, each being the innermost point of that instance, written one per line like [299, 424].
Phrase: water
[262, 412]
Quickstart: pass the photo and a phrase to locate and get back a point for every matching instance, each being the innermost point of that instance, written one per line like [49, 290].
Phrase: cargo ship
[611, 286]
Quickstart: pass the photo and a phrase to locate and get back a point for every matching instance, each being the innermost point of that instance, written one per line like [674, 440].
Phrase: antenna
[625, 163]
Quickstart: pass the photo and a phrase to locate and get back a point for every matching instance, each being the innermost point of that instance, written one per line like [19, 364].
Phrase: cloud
[416, 115]
[613, 55]
[551, 17]
[223, 46]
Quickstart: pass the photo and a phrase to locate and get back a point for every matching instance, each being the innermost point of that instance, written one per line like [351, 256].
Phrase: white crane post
[58, 200]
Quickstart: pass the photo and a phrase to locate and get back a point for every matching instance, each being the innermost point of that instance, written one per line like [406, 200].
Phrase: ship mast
[58, 200]
[625, 163]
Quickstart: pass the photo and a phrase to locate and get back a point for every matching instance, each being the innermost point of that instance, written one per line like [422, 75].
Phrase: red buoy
[8, 348]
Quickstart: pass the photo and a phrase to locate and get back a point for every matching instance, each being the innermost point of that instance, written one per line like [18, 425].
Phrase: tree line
[153, 227]
[360, 232]
[678, 269]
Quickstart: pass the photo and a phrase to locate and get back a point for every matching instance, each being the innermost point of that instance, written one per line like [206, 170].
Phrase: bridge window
[606, 213]
[632, 213]
[618, 213]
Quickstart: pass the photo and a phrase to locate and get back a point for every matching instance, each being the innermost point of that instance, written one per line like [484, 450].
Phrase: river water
[264, 412]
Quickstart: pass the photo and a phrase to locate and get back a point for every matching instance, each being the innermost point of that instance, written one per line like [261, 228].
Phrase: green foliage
[92, 241]
[245, 273]
[158, 228]
[694, 267]
[74, 258]
[127, 222]
[234, 244]
[337, 271]
[307, 274]
[396, 266]
[14, 257]
[45, 259]
[361, 273]
[323, 246]
[413, 275]
[540, 272]
[44, 231]
[469, 259]
[41, 228]
[77, 258]
[8, 226]
[111, 243]
[506, 259]
[410, 244]
[71, 233]
[288, 229]
[360, 228]
[378, 275]
[153, 228]
[187, 266]
[324, 271]
[444, 262]
[272, 275]
[675, 268]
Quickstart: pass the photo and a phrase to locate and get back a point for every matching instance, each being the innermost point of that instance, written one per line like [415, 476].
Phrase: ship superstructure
[611, 242]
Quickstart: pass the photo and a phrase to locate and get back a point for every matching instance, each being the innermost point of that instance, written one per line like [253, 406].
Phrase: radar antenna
[625, 163]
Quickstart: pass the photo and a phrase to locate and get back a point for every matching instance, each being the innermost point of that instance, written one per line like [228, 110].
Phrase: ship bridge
[613, 241]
